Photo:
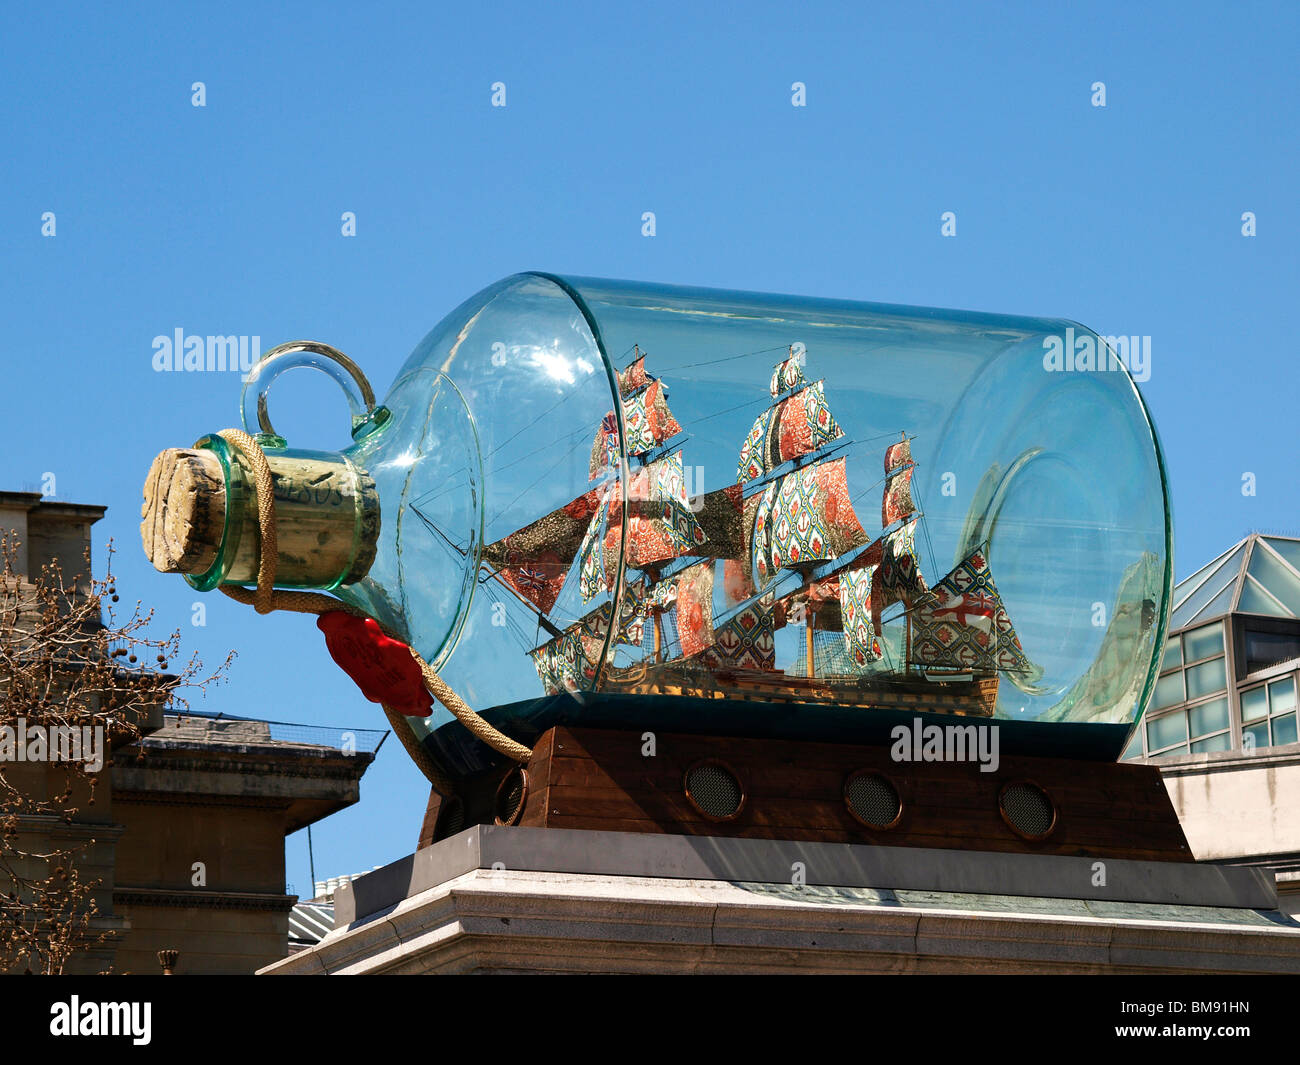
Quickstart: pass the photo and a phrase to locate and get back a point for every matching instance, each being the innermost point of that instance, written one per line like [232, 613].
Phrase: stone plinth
[547, 900]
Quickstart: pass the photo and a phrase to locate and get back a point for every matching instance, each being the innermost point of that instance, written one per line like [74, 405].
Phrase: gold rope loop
[264, 598]
[268, 549]
[440, 690]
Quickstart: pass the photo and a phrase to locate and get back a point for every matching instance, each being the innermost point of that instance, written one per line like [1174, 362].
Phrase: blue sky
[225, 219]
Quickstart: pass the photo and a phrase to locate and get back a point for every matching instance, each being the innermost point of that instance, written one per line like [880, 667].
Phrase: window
[1205, 642]
[1254, 704]
[1207, 678]
[1268, 714]
[1208, 717]
[1167, 731]
[1173, 655]
[1205, 726]
[1169, 691]
[1205, 672]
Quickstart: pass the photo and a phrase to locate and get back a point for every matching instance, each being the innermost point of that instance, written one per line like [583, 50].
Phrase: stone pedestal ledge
[514, 921]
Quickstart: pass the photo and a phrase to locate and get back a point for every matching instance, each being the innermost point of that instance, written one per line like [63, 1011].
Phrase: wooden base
[602, 779]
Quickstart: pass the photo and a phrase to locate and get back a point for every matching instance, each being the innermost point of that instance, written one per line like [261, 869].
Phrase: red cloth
[381, 666]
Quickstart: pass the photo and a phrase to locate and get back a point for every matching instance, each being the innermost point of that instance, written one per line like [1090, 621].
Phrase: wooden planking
[795, 812]
[599, 779]
[942, 786]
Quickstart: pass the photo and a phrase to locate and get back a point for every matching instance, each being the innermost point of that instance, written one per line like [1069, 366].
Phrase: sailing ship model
[790, 550]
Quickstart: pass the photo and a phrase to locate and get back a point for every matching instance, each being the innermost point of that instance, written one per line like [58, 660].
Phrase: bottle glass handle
[257, 387]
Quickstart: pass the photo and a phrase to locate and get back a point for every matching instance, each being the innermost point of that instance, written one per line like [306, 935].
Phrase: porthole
[714, 790]
[872, 799]
[1027, 809]
[511, 793]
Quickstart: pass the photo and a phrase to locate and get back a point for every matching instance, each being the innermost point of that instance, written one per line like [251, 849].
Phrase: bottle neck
[200, 517]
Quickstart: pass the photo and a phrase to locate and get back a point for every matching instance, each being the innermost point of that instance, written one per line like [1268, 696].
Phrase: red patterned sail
[787, 376]
[896, 502]
[804, 423]
[661, 525]
[633, 379]
[535, 560]
[695, 609]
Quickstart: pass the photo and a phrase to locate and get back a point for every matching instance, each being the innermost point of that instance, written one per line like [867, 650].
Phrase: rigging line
[546, 473]
[546, 413]
[925, 531]
[884, 645]
[725, 358]
[433, 527]
[497, 469]
[516, 627]
[869, 488]
[511, 624]
[577, 433]
[729, 410]
[886, 436]
[425, 500]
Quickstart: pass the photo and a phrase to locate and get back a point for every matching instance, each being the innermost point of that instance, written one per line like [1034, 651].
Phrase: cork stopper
[184, 512]
[326, 518]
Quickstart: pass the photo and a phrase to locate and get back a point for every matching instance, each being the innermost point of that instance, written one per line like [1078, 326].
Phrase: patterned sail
[858, 615]
[896, 502]
[786, 377]
[822, 599]
[661, 525]
[648, 422]
[695, 609]
[737, 573]
[796, 426]
[746, 641]
[632, 614]
[591, 555]
[899, 578]
[535, 560]
[568, 662]
[804, 517]
[804, 423]
[720, 516]
[633, 379]
[898, 455]
[755, 451]
[968, 628]
[562, 664]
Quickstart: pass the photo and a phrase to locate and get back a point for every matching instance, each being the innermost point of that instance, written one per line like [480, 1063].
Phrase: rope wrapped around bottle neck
[264, 598]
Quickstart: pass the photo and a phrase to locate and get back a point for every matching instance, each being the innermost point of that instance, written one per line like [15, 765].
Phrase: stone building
[186, 835]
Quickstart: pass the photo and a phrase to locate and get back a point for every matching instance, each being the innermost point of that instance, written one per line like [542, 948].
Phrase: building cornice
[211, 900]
[1227, 761]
